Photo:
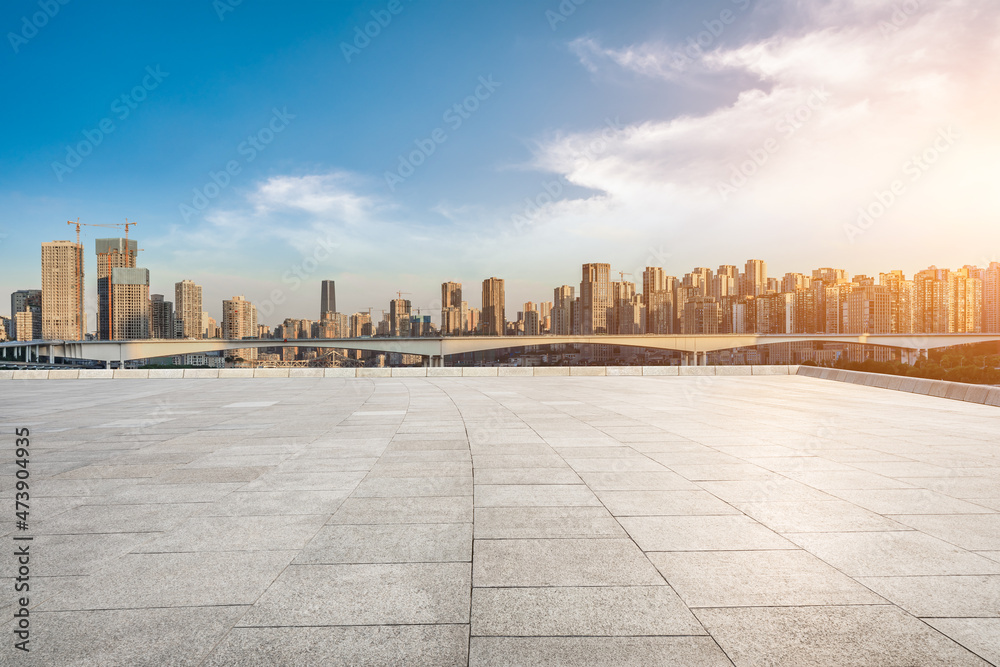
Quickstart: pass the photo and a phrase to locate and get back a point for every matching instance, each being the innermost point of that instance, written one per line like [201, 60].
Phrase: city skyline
[689, 133]
[724, 300]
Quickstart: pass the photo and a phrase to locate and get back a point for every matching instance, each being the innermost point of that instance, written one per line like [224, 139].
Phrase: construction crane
[89, 224]
[127, 225]
[399, 295]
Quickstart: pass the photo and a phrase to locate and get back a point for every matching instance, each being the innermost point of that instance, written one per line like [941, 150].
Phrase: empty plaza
[757, 520]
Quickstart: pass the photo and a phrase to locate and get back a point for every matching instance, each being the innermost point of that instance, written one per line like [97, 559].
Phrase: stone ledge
[96, 374]
[201, 373]
[31, 375]
[270, 372]
[165, 373]
[591, 371]
[408, 372]
[956, 391]
[236, 373]
[374, 372]
[475, 372]
[660, 370]
[550, 371]
[444, 372]
[692, 371]
[624, 370]
[514, 371]
[132, 374]
[305, 372]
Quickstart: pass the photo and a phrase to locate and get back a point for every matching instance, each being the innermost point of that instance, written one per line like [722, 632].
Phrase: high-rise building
[869, 309]
[837, 311]
[239, 321]
[129, 303]
[327, 298]
[562, 310]
[494, 318]
[991, 298]
[595, 299]
[932, 302]
[399, 317]
[62, 291]
[627, 316]
[188, 309]
[30, 301]
[24, 325]
[451, 309]
[361, 325]
[116, 253]
[967, 299]
[702, 315]
[754, 278]
[901, 313]
[794, 281]
[775, 313]
[162, 316]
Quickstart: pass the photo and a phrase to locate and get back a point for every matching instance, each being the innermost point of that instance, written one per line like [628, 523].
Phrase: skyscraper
[26, 301]
[188, 309]
[239, 320]
[327, 298]
[162, 317]
[451, 308]
[991, 298]
[62, 291]
[112, 254]
[129, 303]
[562, 310]
[754, 278]
[493, 317]
[595, 299]
[399, 317]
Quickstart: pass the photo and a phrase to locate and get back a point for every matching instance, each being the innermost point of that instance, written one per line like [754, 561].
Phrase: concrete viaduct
[435, 349]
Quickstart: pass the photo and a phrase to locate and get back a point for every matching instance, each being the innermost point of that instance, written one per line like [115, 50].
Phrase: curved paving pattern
[507, 521]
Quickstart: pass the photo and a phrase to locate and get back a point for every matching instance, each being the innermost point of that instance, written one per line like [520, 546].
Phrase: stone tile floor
[504, 521]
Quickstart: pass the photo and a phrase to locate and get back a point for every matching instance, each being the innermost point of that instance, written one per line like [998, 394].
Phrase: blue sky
[600, 134]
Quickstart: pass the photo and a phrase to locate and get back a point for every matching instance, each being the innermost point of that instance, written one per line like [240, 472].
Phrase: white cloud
[894, 74]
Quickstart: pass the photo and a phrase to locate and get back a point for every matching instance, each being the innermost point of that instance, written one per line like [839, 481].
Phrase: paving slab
[587, 611]
[352, 520]
[823, 636]
[562, 562]
[368, 594]
[360, 646]
[596, 652]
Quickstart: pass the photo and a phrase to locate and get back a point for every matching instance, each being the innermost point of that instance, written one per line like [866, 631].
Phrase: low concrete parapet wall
[403, 372]
[957, 391]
